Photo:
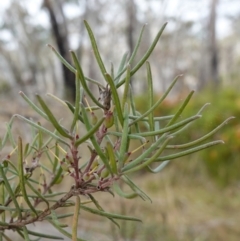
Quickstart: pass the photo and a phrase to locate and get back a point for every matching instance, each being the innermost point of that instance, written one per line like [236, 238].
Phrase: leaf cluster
[108, 127]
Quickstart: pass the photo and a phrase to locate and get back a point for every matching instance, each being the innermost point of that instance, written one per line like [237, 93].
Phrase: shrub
[29, 189]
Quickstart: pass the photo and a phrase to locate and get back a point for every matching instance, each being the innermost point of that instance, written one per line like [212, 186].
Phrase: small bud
[59, 180]
[104, 173]
[64, 166]
[95, 164]
[109, 120]
[94, 118]
[86, 177]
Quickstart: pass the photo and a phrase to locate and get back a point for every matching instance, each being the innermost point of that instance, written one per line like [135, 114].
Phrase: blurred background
[194, 198]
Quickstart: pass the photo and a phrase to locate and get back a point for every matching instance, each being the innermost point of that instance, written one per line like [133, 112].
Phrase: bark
[59, 30]
[209, 75]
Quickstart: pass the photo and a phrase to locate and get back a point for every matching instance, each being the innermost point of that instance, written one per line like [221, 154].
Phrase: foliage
[222, 164]
[30, 174]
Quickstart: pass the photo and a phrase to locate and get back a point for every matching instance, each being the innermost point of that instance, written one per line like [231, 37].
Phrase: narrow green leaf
[121, 68]
[201, 139]
[112, 71]
[101, 209]
[26, 149]
[112, 158]
[158, 118]
[57, 176]
[124, 141]
[10, 191]
[126, 87]
[150, 96]
[40, 138]
[133, 54]
[2, 198]
[134, 187]
[38, 110]
[90, 132]
[64, 232]
[146, 55]
[190, 151]
[115, 97]
[95, 49]
[10, 135]
[75, 219]
[186, 126]
[109, 215]
[131, 136]
[145, 154]
[170, 128]
[89, 92]
[72, 109]
[180, 110]
[133, 108]
[95, 82]
[121, 193]
[43, 235]
[25, 233]
[151, 159]
[158, 168]
[5, 236]
[22, 177]
[42, 129]
[69, 66]
[94, 141]
[37, 193]
[157, 103]
[52, 119]
[55, 162]
[5, 138]
[77, 84]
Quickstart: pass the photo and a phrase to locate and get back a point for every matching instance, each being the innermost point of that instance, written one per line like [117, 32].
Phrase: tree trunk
[61, 37]
[209, 64]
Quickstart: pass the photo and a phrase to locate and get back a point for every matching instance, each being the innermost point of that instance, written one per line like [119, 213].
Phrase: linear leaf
[126, 87]
[10, 191]
[90, 132]
[124, 141]
[75, 219]
[201, 139]
[109, 215]
[121, 68]
[145, 154]
[52, 118]
[158, 168]
[170, 128]
[180, 110]
[101, 209]
[69, 66]
[146, 55]
[64, 232]
[94, 141]
[43, 129]
[43, 235]
[150, 96]
[95, 49]
[190, 151]
[22, 177]
[151, 159]
[157, 103]
[38, 110]
[134, 187]
[115, 97]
